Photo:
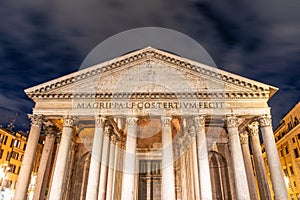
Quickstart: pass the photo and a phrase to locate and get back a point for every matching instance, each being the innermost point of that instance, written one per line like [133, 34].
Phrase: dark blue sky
[42, 40]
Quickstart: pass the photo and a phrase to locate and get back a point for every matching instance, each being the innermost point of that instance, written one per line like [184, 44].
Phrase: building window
[11, 143]
[5, 140]
[291, 170]
[281, 152]
[1, 153]
[292, 197]
[15, 155]
[298, 136]
[8, 156]
[298, 196]
[285, 172]
[17, 143]
[296, 152]
[293, 139]
[7, 183]
[286, 150]
[24, 147]
[1, 138]
[12, 168]
[22, 158]
[290, 125]
[295, 185]
[296, 121]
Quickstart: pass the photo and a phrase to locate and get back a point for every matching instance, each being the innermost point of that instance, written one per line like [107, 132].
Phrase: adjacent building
[287, 137]
[12, 146]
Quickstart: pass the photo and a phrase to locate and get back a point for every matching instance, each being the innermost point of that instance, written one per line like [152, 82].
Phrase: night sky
[42, 40]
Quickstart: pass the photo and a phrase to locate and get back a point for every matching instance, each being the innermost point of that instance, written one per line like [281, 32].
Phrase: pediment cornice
[253, 88]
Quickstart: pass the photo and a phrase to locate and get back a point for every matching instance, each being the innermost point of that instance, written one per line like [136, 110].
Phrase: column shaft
[111, 168]
[203, 164]
[56, 191]
[274, 164]
[168, 182]
[104, 167]
[248, 166]
[195, 169]
[94, 172]
[261, 174]
[183, 173]
[177, 168]
[44, 168]
[128, 186]
[241, 185]
[27, 164]
[85, 177]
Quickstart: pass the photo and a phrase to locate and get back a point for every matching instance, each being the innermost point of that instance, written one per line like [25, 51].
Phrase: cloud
[42, 40]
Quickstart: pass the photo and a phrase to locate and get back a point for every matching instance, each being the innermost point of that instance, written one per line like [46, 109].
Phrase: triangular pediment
[150, 71]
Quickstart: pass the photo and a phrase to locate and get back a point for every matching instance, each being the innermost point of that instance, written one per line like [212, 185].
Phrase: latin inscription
[149, 105]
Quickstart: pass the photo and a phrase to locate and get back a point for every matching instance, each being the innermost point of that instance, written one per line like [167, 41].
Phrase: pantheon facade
[151, 125]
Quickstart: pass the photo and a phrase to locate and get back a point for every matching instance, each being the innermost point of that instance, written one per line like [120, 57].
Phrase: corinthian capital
[199, 121]
[100, 121]
[51, 131]
[36, 120]
[231, 122]
[192, 131]
[69, 121]
[244, 138]
[166, 121]
[265, 120]
[253, 129]
[131, 121]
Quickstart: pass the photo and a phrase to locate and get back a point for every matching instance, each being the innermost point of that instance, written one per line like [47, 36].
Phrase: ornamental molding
[265, 121]
[100, 121]
[244, 138]
[253, 129]
[192, 131]
[231, 122]
[144, 56]
[51, 131]
[131, 121]
[69, 121]
[36, 120]
[187, 95]
[108, 130]
[166, 121]
[199, 121]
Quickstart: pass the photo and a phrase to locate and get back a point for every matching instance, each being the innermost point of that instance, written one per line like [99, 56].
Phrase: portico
[152, 125]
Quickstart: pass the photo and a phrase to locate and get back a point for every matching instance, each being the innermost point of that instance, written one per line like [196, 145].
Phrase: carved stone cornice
[36, 120]
[166, 121]
[69, 121]
[244, 138]
[100, 121]
[265, 121]
[131, 121]
[253, 129]
[199, 121]
[231, 122]
[182, 95]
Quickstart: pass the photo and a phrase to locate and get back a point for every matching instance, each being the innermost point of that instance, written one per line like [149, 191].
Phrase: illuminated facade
[151, 125]
[287, 137]
[12, 146]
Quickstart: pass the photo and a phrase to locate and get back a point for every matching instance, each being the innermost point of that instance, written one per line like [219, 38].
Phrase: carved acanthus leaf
[231, 122]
